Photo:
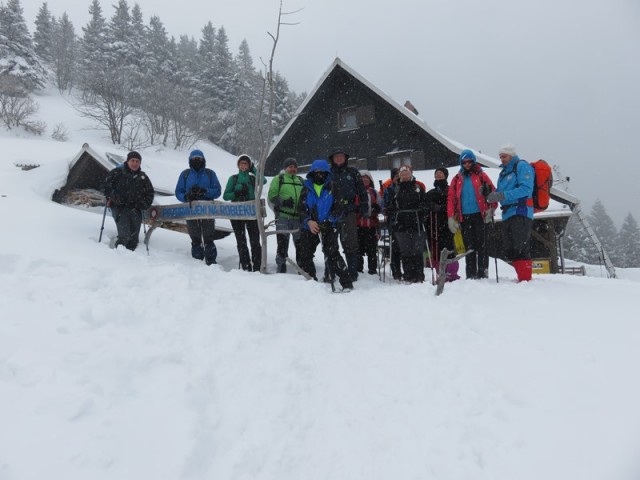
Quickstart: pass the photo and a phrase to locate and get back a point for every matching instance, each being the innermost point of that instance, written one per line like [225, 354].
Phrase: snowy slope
[123, 365]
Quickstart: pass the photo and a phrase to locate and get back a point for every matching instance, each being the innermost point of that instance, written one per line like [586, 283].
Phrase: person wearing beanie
[514, 192]
[241, 187]
[368, 226]
[469, 211]
[393, 177]
[387, 191]
[129, 194]
[348, 185]
[438, 234]
[284, 197]
[405, 206]
[320, 216]
[199, 183]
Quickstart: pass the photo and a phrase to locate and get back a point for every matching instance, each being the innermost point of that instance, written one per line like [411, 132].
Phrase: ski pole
[104, 215]
[493, 234]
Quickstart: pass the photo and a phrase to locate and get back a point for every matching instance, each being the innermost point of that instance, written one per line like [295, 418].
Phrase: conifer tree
[248, 94]
[64, 51]
[106, 63]
[224, 100]
[604, 229]
[17, 57]
[577, 245]
[628, 248]
[43, 37]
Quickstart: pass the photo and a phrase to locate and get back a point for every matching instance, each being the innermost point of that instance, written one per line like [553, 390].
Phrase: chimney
[409, 106]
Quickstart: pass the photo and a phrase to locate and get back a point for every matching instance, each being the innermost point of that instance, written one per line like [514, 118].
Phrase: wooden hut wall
[315, 131]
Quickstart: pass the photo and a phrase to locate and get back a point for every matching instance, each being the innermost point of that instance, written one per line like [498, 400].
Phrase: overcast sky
[558, 78]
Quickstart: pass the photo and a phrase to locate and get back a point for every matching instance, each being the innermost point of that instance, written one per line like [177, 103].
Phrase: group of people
[337, 204]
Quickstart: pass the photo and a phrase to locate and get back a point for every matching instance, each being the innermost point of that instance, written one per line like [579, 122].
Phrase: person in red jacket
[468, 210]
[368, 226]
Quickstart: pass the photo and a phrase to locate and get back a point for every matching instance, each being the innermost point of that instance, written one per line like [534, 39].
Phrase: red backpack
[542, 182]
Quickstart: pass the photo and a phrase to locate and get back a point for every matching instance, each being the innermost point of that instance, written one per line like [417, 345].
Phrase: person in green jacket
[241, 188]
[284, 195]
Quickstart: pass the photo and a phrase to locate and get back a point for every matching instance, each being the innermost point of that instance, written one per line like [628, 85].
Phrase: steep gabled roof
[447, 142]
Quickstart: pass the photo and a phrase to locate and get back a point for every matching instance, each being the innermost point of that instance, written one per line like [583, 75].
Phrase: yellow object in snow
[459, 243]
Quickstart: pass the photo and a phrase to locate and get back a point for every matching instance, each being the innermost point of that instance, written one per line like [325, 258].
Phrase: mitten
[494, 197]
[453, 225]
[488, 215]
[485, 189]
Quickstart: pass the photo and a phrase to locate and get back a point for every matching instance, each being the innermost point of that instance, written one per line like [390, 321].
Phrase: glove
[141, 206]
[453, 225]
[435, 208]
[494, 197]
[197, 193]
[485, 189]
[488, 215]
[109, 203]
[288, 203]
[241, 190]
[375, 210]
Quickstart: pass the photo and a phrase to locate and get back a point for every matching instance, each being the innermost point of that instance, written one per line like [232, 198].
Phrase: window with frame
[350, 118]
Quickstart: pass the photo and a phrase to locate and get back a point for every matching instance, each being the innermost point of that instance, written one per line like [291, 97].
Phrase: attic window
[351, 118]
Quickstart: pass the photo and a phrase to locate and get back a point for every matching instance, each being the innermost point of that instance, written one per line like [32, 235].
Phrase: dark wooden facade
[345, 111]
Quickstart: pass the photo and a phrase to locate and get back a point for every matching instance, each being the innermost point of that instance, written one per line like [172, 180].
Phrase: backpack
[280, 182]
[542, 182]
[185, 175]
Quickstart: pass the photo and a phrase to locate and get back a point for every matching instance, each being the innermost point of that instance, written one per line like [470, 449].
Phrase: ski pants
[411, 246]
[474, 235]
[282, 251]
[201, 231]
[334, 261]
[368, 242]
[516, 238]
[251, 227]
[128, 223]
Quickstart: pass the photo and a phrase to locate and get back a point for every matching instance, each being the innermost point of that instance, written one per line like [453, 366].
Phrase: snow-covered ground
[122, 365]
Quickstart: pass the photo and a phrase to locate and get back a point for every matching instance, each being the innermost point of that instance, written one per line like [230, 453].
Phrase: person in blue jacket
[320, 203]
[514, 192]
[200, 183]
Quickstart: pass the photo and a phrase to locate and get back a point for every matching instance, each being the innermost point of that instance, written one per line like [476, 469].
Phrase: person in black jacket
[129, 192]
[347, 187]
[438, 234]
[406, 209]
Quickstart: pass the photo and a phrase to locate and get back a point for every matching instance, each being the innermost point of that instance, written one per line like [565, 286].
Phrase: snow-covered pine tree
[283, 108]
[224, 102]
[604, 229]
[158, 67]
[577, 244]
[43, 36]
[248, 93]
[64, 52]
[17, 56]
[628, 245]
[205, 80]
